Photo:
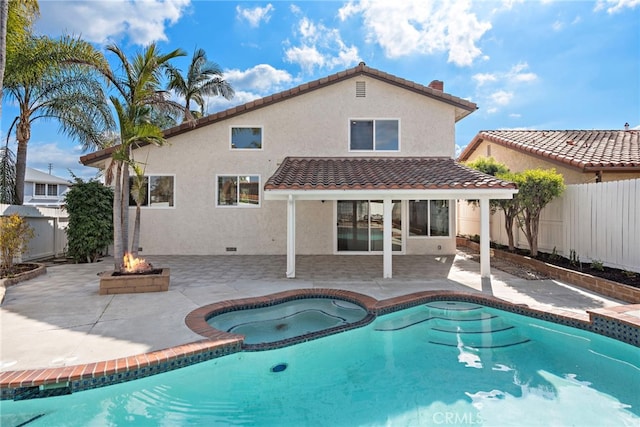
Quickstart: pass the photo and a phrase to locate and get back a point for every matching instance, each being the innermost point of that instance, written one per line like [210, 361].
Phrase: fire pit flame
[135, 265]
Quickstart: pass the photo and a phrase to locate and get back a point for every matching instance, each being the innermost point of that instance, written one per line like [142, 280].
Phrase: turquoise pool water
[288, 319]
[443, 363]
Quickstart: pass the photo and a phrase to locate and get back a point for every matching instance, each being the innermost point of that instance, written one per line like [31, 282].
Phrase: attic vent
[361, 90]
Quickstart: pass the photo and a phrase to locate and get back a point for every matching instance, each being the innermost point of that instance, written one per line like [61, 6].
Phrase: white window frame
[46, 194]
[374, 120]
[232, 148]
[429, 236]
[238, 204]
[156, 206]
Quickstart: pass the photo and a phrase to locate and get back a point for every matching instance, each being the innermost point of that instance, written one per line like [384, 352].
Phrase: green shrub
[597, 265]
[90, 230]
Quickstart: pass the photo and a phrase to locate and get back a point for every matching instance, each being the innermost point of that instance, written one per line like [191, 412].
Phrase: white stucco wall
[314, 124]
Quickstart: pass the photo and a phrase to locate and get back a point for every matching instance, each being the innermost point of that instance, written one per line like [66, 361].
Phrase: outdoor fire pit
[136, 276]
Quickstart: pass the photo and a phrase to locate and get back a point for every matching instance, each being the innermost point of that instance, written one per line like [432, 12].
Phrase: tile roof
[378, 173]
[463, 107]
[587, 150]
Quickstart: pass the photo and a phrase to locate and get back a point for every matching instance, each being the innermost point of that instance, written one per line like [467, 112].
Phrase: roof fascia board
[444, 194]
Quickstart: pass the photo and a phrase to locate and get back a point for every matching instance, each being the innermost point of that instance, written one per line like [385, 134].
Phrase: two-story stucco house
[359, 162]
[43, 189]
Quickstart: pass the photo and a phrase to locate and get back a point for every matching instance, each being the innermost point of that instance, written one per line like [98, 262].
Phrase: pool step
[497, 338]
[455, 324]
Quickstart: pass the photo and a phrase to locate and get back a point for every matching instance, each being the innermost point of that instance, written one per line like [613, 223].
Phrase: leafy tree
[15, 234]
[537, 187]
[510, 207]
[56, 79]
[90, 229]
[138, 101]
[204, 78]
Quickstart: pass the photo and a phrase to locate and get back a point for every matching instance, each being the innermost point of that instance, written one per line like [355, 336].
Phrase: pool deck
[58, 319]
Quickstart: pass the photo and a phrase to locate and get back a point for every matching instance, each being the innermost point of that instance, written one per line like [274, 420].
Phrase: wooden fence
[599, 221]
[49, 226]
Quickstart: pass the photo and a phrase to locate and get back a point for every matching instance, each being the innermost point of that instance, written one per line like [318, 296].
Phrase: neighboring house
[592, 219]
[359, 162]
[43, 189]
[581, 156]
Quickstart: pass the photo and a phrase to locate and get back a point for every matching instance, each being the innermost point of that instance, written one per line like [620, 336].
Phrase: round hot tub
[284, 320]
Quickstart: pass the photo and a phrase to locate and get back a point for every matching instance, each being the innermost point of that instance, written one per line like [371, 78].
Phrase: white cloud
[256, 15]
[557, 26]
[61, 159]
[482, 78]
[251, 84]
[501, 97]
[421, 27]
[518, 74]
[615, 6]
[319, 47]
[262, 78]
[497, 90]
[143, 22]
[515, 115]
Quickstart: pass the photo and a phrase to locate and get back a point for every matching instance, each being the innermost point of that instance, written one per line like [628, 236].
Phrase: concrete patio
[59, 319]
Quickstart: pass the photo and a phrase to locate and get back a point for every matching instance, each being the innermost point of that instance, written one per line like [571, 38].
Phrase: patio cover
[387, 179]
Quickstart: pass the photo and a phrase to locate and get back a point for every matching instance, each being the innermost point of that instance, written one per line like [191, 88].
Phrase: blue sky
[527, 64]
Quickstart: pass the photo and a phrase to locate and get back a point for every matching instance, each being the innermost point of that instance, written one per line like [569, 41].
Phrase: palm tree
[56, 79]
[204, 78]
[16, 20]
[137, 102]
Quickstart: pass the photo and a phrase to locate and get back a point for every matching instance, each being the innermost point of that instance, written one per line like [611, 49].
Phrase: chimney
[437, 85]
[626, 126]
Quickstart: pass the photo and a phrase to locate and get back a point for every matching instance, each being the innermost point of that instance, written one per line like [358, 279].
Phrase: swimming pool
[438, 363]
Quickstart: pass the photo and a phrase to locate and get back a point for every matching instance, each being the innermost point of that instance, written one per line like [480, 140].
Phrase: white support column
[387, 247]
[485, 254]
[291, 237]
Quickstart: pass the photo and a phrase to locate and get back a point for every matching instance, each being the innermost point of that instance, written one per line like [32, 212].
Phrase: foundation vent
[361, 90]
[231, 249]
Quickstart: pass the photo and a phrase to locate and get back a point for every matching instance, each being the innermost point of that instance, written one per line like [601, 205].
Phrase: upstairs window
[374, 135]
[246, 138]
[158, 191]
[238, 190]
[46, 190]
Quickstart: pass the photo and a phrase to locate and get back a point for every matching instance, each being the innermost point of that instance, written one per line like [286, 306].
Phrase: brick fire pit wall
[134, 283]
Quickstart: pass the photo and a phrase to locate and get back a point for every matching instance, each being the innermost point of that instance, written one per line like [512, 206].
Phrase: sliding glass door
[360, 225]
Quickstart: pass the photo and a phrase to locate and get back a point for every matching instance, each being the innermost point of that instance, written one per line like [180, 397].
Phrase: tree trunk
[508, 225]
[125, 208]
[23, 133]
[118, 251]
[135, 242]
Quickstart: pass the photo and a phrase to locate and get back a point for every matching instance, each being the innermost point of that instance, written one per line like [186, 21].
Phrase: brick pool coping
[614, 322]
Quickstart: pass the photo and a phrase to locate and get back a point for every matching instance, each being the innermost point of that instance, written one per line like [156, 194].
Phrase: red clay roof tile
[583, 149]
[378, 173]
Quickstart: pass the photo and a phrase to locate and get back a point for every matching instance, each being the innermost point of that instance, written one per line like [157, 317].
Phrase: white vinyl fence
[599, 221]
[49, 224]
